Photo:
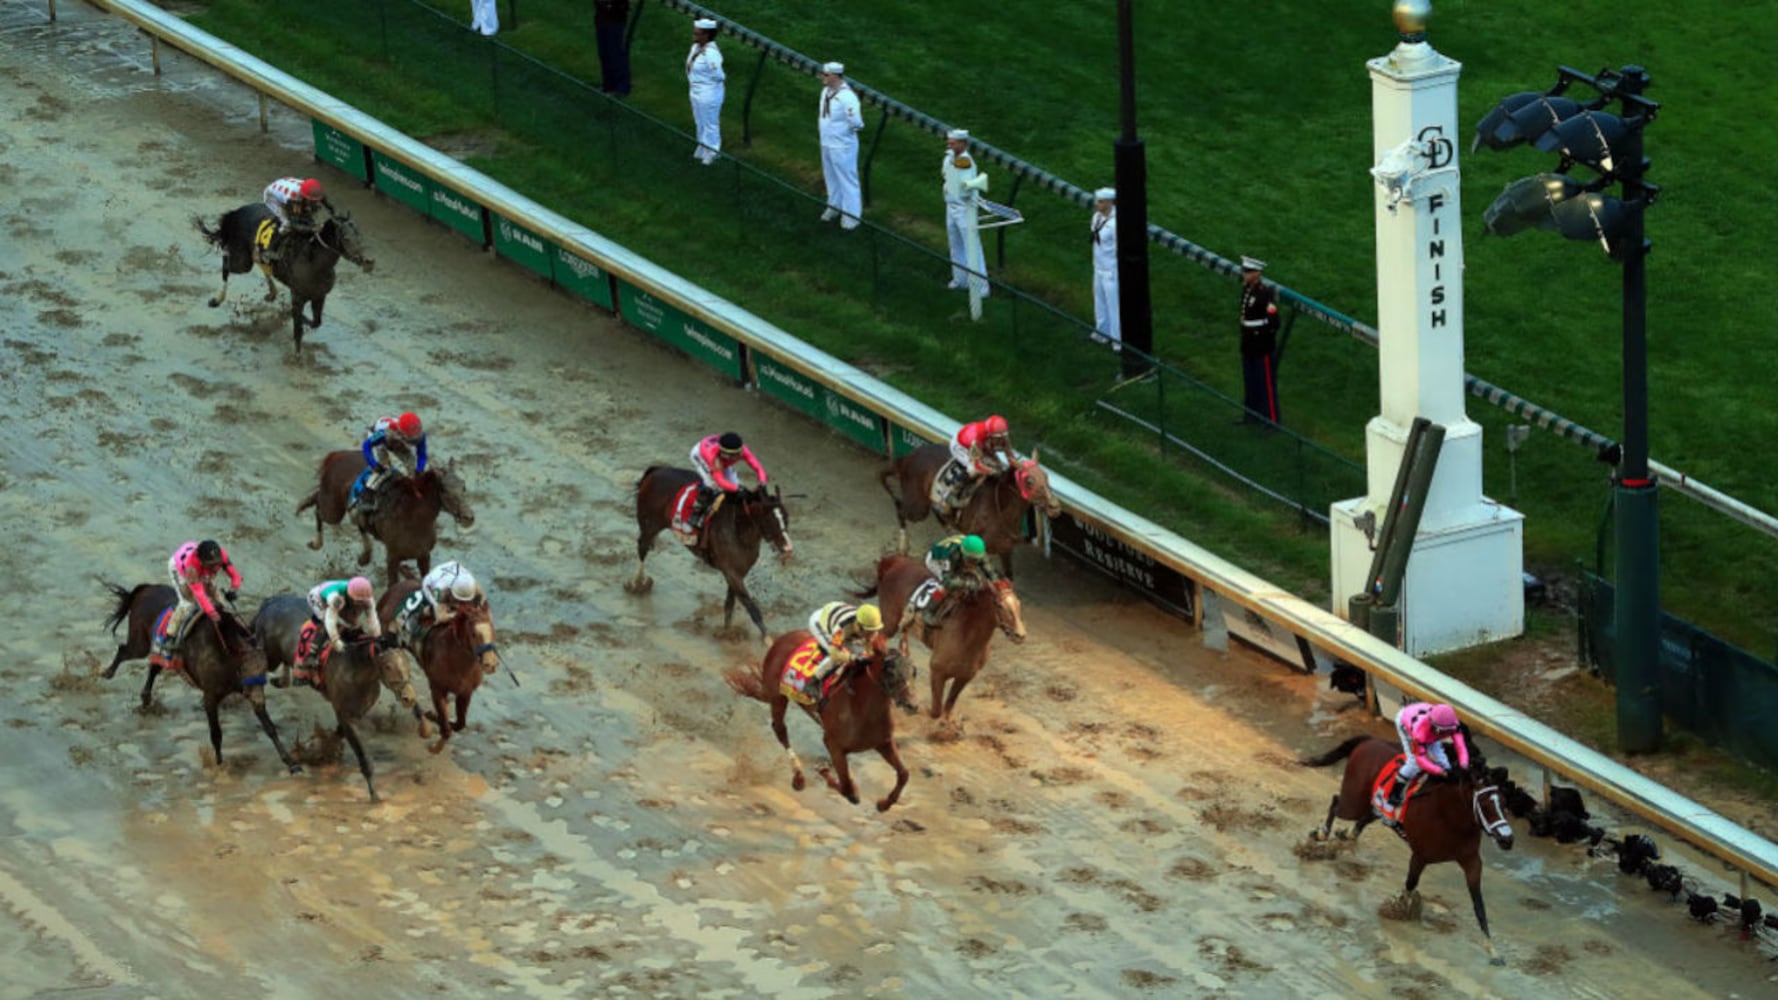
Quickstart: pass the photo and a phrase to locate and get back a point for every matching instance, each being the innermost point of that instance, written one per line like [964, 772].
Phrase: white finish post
[1465, 582]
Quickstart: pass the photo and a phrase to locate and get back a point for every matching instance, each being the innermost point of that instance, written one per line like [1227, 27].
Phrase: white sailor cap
[1252, 264]
[837, 69]
[1106, 194]
[704, 24]
[958, 133]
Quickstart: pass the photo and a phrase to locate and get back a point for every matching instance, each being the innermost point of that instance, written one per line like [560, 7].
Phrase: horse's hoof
[798, 782]
[883, 805]
[315, 545]
[1496, 960]
[296, 769]
[853, 798]
[215, 302]
[440, 745]
[364, 560]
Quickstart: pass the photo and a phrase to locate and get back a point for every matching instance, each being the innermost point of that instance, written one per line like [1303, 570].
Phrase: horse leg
[271, 731]
[462, 722]
[210, 712]
[351, 736]
[779, 705]
[296, 319]
[271, 287]
[1472, 875]
[1325, 830]
[936, 709]
[123, 653]
[444, 722]
[1410, 892]
[642, 583]
[216, 300]
[893, 756]
[1006, 565]
[843, 783]
[957, 686]
[315, 312]
[148, 687]
[364, 552]
[738, 588]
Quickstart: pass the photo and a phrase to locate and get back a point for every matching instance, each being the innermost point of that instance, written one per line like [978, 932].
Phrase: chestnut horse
[406, 521]
[960, 642]
[355, 669]
[855, 718]
[731, 537]
[1443, 821]
[220, 658]
[455, 656]
[996, 512]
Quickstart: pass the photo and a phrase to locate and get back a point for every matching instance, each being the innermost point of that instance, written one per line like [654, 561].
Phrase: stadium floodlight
[1530, 203]
[1496, 128]
[1525, 122]
[1590, 138]
[1593, 216]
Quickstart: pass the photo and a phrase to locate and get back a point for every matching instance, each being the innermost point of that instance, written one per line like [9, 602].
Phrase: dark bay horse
[1443, 821]
[220, 659]
[731, 537]
[355, 671]
[960, 642]
[455, 656]
[996, 512]
[855, 718]
[406, 521]
[306, 262]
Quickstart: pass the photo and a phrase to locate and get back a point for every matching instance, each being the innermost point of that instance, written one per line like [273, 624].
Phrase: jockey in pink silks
[192, 569]
[1423, 729]
[714, 459]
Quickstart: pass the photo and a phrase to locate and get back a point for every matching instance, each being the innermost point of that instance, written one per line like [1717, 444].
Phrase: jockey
[1423, 729]
[333, 603]
[960, 561]
[193, 568]
[842, 632]
[391, 443]
[293, 201]
[448, 587]
[979, 450]
[714, 458]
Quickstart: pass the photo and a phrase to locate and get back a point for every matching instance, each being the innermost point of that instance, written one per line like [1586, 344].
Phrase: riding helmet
[408, 424]
[996, 424]
[310, 189]
[973, 547]
[730, 443]
[1444, 718]
[463, 586]
[359, 589]
[869, 618]
[209, 553]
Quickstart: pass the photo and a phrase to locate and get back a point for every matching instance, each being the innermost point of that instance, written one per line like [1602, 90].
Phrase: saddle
[305, 643]
[798, 680]
[1380, 792]
[684, 503]
[953, 486]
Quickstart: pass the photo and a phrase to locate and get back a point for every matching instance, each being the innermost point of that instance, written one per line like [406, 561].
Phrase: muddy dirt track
[1114, 817]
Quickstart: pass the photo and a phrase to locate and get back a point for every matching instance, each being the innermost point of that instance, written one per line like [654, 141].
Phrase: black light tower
[1134, 312]
[1611, 145]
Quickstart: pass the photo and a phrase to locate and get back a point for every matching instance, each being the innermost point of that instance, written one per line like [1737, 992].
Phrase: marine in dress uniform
[703, 72]
[962, 182]
[1259, 343]
[1104, 228]
[839, 120]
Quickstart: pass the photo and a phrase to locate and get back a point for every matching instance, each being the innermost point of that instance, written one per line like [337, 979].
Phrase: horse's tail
[747, 683]
[887, 473]
[215, 236]
[311, 500]
[1338, 753]
[125, 598]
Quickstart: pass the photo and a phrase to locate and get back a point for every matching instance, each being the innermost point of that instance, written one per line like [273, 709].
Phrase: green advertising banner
[582, 277]
[339, 149]
[522, 246]
[458, 212]
[718, 350]
[902, 440]
[787, 385]
[854, 421]
[404, 184]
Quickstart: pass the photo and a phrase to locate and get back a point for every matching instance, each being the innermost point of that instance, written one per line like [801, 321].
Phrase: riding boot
[1396, 789]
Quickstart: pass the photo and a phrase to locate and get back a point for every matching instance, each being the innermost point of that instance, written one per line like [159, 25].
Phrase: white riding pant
[1411, 769]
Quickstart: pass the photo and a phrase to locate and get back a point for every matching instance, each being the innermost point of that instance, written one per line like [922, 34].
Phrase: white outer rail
[1659, 806]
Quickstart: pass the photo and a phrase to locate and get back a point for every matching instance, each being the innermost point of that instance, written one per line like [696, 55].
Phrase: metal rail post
[759, 69]
[875, 140]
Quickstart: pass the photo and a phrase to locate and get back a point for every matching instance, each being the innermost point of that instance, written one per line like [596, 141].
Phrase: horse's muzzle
[368, 265]
[1504, 843]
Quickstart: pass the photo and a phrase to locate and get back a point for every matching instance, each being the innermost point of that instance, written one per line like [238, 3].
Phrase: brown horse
[960, 642]
[854, 719]
[731, 538]
[996, 512]
[455, 656]
[220, 658]
[406, 521]
[354, 669]
[1443, 821]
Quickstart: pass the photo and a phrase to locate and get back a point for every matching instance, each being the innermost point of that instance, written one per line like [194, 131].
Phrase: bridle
[340, 225]
[1498, 826]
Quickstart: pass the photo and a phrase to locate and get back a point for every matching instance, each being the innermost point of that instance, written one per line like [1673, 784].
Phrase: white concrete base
[1465, 581]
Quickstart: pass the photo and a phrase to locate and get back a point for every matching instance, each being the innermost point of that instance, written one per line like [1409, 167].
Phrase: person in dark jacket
[609, 20]
[1259, 344]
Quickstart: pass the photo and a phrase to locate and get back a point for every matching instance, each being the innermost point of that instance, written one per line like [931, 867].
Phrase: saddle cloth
[798, 680]
[263, 237]
[950, 486]
[1380, 790]
[683, 503]
[410, 623]
[920, 599]
[164, 649]
[305, 643]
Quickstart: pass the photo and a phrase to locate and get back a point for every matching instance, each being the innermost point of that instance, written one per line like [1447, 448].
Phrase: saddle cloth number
[946, 485]
[923, 595]
[799, 673]
[407, 620]
[1380, 789]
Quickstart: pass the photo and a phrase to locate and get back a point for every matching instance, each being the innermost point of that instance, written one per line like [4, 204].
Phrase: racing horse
[731, 536]
[855, 717]
[1443, 821]
[406, 519]
[219, 659]
[354, 671]
[996, 511]
[959, 644]
[305, 264]
[455, 656]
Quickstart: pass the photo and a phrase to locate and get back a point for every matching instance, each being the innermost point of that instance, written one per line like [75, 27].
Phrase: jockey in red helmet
[979, 450]
[295, 202]
[392, 443]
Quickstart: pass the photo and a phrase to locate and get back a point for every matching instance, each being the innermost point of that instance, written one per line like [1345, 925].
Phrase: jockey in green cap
[961, 565]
